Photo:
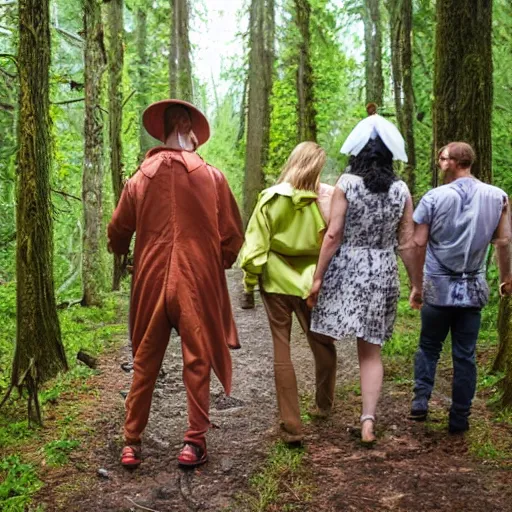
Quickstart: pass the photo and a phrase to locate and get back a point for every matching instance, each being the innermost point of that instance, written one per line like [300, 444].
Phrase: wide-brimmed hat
[153, 120]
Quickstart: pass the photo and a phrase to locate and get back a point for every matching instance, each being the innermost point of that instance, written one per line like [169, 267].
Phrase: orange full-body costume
[188, 230]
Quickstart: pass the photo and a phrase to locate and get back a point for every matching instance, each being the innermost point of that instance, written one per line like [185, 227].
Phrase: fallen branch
[65, 194]
[69, 303]
[67, 102]
[128, 98]
[87, 359]
[140, 506]
[72, 36]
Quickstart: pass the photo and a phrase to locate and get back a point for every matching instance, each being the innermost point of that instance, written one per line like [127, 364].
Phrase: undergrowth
[93, 330]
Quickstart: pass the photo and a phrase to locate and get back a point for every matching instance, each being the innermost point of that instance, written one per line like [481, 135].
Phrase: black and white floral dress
[360, 289]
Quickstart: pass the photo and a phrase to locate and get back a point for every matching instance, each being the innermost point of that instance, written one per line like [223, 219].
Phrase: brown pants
[279, 310]
[148, 354]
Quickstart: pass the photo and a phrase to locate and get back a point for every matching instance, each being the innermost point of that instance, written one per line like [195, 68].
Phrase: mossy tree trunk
[463, 91]
[141, 35]
[373, 52]
[504, 358]
[92, 183]
[115, 102]
[306, 101]
[39, 353]
[180, 68]
[400, 19]
[261, 60]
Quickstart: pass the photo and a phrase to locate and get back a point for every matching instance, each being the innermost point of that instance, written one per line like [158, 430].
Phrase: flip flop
[130, 457]
[192, 456]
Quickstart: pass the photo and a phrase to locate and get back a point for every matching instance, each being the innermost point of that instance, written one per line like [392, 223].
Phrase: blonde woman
[281, 249]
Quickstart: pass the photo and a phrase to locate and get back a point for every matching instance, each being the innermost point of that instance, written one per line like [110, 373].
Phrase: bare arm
[331, 242]
[501, 241]
[408, 249]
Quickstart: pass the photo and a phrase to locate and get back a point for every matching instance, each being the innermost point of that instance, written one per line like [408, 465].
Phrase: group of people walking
[327, 254]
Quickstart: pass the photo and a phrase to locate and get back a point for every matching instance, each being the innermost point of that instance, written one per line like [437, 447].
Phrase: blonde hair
[302, 169]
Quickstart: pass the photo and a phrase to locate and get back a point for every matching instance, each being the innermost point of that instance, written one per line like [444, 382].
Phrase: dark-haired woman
[356, 285]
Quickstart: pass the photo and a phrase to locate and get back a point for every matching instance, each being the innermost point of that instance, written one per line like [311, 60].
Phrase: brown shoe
[247, 301]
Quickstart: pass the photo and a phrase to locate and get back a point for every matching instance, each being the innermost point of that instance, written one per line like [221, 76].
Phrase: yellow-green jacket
[282, 241]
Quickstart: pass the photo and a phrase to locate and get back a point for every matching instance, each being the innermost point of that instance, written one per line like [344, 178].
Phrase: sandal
[192, 456]
[371, 439]
[131, 456]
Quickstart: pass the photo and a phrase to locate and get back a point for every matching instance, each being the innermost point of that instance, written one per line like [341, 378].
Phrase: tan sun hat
[153, 120]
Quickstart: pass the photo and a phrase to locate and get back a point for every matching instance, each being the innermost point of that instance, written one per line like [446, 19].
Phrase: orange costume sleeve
[122, 226]
[230, 221]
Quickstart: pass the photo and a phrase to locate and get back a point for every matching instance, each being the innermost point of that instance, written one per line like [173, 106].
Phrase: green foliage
[266, 487]
[56, 452]
[90, 329]
[222, 150]
[17, 483]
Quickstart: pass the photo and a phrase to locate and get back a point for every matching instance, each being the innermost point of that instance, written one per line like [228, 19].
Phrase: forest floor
[413, 467]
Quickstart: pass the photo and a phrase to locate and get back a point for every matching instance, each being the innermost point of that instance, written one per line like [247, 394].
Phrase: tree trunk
[306, 102]
[115, 101]
[261, 58]
[463, 79]
[95, 59]
[142, 77]
[180, 68]
[39, 353]
[400, 15]
[504, 358]
[373, 52]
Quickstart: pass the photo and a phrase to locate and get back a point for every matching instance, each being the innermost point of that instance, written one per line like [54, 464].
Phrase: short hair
[171, 116]
[462, 153]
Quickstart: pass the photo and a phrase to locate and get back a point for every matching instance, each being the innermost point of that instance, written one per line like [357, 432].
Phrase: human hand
[506, 287]
[416, 298]
[313, 294]
[109, 246]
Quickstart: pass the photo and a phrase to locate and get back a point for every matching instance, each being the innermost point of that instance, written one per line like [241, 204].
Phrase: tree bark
[373, 52]
[142, 76]
[503, 360]
[39, 353]
[92, 183]
[180, 68]
[261, 59]
[463, 91]
[306, 102]
[400, 15]
[115, 100]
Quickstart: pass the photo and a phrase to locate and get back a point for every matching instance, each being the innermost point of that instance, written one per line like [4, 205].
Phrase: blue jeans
[436, 322]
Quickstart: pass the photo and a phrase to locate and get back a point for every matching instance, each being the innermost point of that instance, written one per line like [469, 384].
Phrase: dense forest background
[293, 70]
[304, 71]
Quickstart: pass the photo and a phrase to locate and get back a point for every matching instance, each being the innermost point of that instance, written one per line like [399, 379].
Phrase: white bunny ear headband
[369, 128]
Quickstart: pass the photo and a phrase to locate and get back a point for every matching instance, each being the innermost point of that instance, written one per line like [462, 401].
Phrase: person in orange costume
[189, 230]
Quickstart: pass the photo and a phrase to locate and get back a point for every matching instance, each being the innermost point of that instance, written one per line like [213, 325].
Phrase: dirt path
[244, 427]
[412, 468]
